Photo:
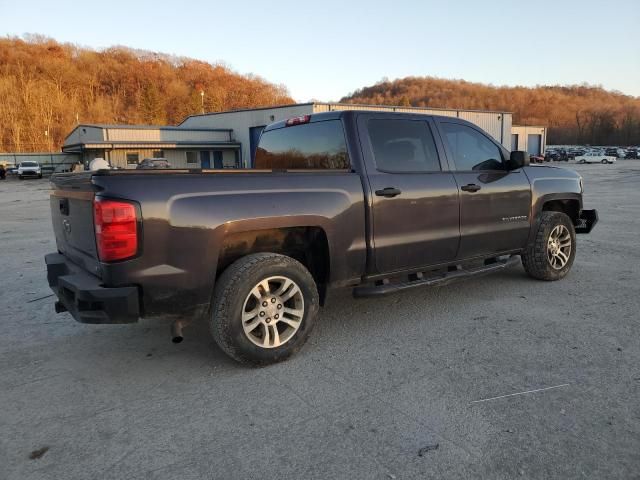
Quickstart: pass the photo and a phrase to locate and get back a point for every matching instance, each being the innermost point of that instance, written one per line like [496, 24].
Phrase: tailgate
[72, 216]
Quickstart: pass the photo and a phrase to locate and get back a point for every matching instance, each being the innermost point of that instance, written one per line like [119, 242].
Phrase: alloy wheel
[559, 247]
[272, 312]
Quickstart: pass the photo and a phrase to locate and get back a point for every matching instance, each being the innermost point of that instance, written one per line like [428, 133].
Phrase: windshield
[29, 164]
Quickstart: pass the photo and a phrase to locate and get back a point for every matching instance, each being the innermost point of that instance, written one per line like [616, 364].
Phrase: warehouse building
[247, 125]
[125, 146]
[532, 139]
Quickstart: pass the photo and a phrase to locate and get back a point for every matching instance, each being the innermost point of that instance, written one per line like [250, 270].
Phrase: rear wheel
[604, 160]
[551, 253]
[264, 308]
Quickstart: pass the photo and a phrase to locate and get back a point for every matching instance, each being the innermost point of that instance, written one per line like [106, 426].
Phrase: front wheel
[264, 308]
[551, 253]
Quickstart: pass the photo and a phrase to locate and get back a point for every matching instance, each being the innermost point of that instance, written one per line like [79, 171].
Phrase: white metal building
[125, 146]
[247, 124]
[532, 139]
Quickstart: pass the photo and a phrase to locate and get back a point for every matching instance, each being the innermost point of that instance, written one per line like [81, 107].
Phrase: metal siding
[242, 121]
[160, 135]
[492, 123]
[497, 124]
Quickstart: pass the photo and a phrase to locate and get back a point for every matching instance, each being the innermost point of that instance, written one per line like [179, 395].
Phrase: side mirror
[518, 159]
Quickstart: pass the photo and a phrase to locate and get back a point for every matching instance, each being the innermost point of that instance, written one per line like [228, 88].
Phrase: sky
[324, 50]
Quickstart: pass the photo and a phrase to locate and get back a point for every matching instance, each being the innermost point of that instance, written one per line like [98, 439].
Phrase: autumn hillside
[574, 114]
[46, 86]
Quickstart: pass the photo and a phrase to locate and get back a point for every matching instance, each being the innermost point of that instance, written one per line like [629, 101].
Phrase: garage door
[514, 142]
[254, 137]
[534, 143]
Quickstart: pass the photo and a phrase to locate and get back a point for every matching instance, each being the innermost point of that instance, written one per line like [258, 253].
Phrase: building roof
[105, 126]
[337, 106]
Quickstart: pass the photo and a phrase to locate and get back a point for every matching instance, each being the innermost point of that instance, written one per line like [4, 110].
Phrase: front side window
[319, 145]
[403, 145]
[470, 149]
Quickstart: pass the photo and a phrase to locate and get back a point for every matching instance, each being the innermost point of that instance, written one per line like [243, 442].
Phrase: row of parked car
[32, 169]
[567, 153]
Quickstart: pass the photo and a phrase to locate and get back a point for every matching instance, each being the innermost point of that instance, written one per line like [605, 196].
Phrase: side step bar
[386, 288]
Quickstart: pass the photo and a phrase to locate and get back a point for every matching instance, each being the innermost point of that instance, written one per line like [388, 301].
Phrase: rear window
[319, 145]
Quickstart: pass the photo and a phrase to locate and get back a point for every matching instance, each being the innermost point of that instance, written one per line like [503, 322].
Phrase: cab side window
[470, 149]
[403, 146]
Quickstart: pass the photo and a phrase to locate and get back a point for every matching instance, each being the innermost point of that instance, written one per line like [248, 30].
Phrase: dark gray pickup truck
[377, 202]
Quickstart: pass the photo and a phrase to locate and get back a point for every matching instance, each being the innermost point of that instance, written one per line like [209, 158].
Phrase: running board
[386, 288]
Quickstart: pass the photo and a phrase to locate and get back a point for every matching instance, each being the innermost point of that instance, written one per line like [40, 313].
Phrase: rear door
[414, 203]
[494, 202]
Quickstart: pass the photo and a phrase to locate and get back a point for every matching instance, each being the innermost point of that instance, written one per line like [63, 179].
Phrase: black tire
[20, 177]
[535, 259]
[40, 176]
[230, 293]
[604, 161]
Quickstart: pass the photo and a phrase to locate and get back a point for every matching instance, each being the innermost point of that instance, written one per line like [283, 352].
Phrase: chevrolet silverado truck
[372, 201]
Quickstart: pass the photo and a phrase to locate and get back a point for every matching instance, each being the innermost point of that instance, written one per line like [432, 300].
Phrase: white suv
[29, 169]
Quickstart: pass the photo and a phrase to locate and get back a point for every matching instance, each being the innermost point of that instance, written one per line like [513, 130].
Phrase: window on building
[133, 158]
[470, 149]
[318, 145]
[403, 145]
[192, 157]
[158, 154]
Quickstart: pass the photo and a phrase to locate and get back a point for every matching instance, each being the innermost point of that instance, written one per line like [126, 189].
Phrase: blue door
[217, 159]
[254, 136]
[205, 160]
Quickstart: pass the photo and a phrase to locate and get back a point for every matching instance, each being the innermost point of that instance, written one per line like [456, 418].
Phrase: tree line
[46, 88]
[576, 114]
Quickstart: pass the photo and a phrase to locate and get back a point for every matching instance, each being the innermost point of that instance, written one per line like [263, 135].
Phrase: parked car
[538, 159]
[29, 169]
[595, 158]
[373, 201]
[153, 163]
[632, 154]
[612, 152]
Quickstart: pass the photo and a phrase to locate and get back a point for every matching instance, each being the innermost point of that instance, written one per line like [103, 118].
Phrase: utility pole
[202, 100]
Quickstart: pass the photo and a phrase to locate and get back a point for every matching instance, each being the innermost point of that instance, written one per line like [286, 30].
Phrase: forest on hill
[577, 114]
[46, 88]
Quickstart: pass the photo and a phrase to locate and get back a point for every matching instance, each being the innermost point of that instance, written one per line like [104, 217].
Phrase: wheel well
[569, 207]
[308, 245]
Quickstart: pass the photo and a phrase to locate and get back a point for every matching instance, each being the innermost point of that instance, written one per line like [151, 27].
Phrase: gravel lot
[380, 380]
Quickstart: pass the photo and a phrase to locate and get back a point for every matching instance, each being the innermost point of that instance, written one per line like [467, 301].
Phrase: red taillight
[298, 120]
[116, 226]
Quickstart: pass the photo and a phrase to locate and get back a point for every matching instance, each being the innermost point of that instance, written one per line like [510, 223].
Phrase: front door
[415, 212]
[494, 202]
[205, 160]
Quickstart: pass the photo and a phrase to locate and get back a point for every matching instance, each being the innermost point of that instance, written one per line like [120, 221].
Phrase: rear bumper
[85, 298]
[586, 221]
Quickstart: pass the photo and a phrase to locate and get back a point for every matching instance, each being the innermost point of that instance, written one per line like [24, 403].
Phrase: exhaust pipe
[176, 331]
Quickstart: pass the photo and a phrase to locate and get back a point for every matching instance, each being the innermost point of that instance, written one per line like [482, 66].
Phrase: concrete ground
[386, 388]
